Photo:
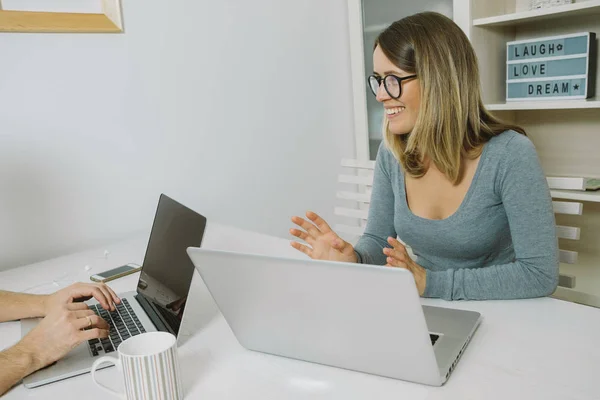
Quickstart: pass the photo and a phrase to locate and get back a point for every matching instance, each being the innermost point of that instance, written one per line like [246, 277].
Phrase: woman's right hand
[324, 243]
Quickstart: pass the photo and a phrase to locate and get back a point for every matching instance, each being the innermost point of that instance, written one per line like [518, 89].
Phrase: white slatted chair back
[358, 183]
[567, 233]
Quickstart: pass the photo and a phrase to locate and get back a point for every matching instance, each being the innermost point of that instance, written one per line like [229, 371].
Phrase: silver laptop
[358, 317]
[157, 304]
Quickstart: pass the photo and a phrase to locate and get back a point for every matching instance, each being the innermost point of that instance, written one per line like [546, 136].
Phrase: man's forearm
[15, 364]
[15, 306]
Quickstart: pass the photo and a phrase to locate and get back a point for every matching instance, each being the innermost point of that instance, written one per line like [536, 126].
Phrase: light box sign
[551, 68]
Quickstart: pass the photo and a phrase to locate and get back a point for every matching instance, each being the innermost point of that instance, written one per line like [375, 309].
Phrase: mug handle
[97, 363]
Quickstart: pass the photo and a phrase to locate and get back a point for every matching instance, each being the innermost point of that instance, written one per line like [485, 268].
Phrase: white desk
[528, 349]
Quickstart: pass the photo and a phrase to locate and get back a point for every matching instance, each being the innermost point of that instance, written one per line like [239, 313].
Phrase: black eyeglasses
[391, 83]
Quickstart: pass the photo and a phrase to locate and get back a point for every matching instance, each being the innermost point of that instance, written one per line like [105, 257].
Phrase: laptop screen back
[167, 270]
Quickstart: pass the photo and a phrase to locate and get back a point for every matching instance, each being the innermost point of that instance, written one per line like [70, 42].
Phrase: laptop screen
[167, 271]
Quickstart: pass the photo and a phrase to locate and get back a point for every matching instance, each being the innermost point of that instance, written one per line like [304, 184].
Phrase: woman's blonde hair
[452, 123]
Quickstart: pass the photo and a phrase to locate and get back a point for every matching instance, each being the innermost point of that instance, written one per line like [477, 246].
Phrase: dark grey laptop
[157, 304]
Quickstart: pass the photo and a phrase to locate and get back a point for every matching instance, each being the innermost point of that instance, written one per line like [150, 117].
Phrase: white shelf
[588, 7]
[375, 28]
[544, 105]
[593, 196]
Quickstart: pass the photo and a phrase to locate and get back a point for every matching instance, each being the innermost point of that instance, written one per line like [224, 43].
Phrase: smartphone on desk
[115, 273]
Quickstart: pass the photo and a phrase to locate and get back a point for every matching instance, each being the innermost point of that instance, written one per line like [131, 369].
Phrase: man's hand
[67, 323]
[81, 292]
[63, 329]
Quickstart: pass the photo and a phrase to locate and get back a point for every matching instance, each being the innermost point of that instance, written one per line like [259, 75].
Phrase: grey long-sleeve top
[501, 242]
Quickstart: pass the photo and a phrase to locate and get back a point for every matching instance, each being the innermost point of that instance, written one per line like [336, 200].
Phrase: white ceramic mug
[149, 365]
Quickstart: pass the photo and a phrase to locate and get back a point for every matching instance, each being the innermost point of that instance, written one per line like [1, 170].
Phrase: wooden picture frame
[109, 21]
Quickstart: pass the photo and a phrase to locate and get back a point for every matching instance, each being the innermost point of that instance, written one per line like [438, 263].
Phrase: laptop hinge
[153, 314]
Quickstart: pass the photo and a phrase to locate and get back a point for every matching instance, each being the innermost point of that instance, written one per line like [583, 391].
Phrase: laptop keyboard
[434, 338]
[123, 324]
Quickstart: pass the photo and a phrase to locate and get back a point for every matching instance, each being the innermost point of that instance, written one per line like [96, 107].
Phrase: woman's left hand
[398, 257]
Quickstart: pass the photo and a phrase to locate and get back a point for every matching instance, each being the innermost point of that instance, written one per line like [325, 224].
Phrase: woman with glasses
[463, 189]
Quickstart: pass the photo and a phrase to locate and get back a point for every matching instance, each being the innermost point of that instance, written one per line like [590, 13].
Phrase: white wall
[239, 109]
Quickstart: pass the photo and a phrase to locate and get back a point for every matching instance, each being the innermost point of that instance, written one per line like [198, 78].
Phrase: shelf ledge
[568, 10]
[544, 105]
[376, 28]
